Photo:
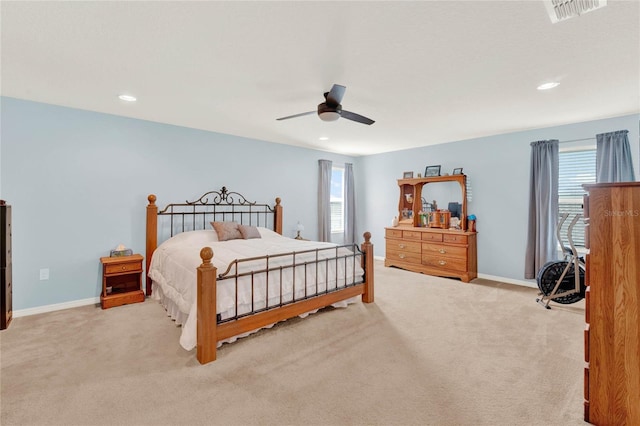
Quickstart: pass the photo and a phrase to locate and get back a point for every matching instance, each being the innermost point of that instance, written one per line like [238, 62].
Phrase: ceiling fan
[331, 109]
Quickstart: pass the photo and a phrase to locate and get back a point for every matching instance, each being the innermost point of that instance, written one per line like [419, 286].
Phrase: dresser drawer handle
[401, 255]
[443, 251]
[442, 262]
[401, 245]
[124, 268]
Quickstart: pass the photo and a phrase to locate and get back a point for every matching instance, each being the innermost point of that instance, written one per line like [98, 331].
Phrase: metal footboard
[323, 270]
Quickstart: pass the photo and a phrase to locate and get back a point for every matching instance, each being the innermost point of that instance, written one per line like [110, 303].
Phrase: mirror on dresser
[442, 195]
[425, 195]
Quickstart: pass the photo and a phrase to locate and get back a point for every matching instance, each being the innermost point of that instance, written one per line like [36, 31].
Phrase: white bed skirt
[188, 337]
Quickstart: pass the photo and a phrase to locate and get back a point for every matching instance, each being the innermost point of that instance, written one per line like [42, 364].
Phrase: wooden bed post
[207, 318]
[367, 265]
[152, 236]
[277, 219]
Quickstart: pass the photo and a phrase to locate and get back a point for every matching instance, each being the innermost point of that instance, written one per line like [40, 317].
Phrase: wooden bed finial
[278, 201]
[206, 254]
[367, 237]
[151, 198]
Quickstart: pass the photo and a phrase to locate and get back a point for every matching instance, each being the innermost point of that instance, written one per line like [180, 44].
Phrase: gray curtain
[349, 205]
[543, 207]
[613, 157]
[324, 200]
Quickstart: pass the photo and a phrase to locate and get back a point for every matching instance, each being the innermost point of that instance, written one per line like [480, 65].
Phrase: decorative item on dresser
[235, 290]
[435, 249]
[6, 304]
[612, 310]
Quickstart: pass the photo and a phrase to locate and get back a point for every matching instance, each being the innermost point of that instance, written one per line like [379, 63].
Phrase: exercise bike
[557, 280]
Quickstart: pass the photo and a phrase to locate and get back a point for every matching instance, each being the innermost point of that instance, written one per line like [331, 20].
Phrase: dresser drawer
[441, 250]
[455, 238]
[403, 256]
[403, 245]
[450, 263]
[119, 268]
[431, 236]
[411, 235]
[393, 233]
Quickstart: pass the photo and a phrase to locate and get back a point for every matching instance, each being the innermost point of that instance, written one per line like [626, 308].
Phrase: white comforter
[174, 263]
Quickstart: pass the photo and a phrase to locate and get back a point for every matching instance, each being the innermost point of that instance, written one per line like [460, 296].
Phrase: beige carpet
[430, 351]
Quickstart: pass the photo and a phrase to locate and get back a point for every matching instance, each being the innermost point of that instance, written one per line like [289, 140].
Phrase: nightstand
[121, 280]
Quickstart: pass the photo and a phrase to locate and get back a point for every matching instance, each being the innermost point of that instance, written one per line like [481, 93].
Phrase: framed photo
[432, 171]
[457, 171]
[407, 175]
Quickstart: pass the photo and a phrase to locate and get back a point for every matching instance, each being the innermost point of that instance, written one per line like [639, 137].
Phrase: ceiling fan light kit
[327, 113]
[331, 109]
[561, 10]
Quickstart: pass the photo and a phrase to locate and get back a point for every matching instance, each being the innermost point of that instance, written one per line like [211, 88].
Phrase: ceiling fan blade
[334, 96]
[356, 117]
[297, 115]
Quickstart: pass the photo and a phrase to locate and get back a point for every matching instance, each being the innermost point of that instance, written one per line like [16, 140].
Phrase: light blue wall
[498, 168]
[78, 183]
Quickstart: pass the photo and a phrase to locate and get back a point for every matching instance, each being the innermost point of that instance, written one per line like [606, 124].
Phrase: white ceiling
[427, 72]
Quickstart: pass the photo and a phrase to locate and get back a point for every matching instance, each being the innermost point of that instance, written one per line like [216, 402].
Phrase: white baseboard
[524, 283]
[96, 300]
[56, 307]
[531, 284]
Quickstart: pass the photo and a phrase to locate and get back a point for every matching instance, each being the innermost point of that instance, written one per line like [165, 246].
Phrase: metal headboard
[223, 205]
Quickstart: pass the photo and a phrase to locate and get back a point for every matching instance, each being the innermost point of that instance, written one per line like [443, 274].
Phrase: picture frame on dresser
[431, 171]
[407, 175]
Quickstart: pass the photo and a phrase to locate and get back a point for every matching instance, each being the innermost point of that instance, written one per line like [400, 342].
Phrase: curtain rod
[578, 140]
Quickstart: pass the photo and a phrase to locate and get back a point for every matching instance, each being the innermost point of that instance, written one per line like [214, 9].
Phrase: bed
[224, 270]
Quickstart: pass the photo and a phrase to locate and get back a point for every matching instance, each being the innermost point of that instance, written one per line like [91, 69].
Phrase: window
[577, 167]
[337, 199]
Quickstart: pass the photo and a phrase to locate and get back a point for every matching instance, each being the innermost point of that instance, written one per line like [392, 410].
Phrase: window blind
[576, 168]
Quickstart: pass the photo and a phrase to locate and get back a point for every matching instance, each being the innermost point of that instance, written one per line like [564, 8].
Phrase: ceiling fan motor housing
[329, 113]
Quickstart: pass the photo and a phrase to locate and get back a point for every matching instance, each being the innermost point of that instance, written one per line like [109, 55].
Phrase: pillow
[249, 232]
[268, 233]
[227, 230]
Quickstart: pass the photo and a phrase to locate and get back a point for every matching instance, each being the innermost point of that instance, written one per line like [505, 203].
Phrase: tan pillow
[227, 230]
[249, 232]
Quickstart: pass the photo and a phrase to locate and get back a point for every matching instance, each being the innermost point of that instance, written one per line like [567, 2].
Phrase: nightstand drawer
[120, 268]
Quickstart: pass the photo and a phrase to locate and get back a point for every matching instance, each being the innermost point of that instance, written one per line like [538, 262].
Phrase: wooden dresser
[612, 332]
[433, 251]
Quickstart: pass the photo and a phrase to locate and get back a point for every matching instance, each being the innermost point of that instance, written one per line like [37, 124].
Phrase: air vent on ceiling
[561, 10]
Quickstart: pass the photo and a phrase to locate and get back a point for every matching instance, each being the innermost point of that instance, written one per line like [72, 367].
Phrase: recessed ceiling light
[324, 138]
[547, 86]
[127, 98]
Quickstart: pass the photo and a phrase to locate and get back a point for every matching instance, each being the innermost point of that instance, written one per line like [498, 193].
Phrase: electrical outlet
[44, 274]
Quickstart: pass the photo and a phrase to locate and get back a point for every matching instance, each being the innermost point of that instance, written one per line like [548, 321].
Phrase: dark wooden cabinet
[612, 331]
[6, 307]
